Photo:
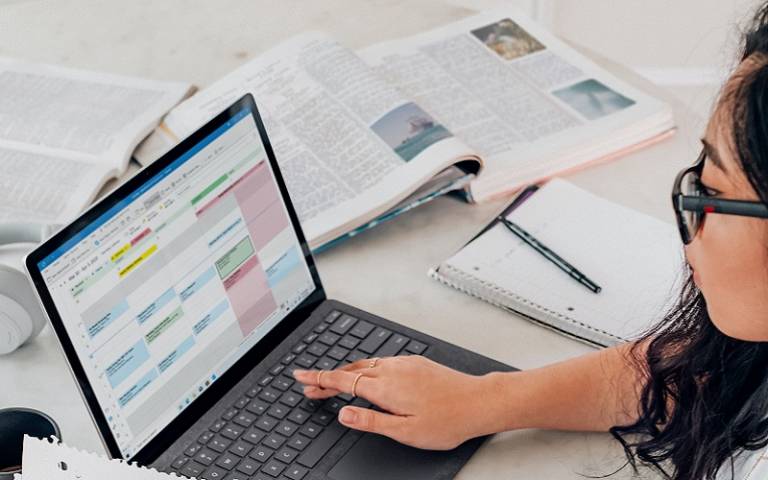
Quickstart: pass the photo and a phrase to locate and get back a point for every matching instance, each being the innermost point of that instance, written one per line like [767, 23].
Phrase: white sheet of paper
[45, 460]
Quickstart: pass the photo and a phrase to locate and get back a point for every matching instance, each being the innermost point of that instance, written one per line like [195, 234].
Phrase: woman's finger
[368, 420]
[339, 380]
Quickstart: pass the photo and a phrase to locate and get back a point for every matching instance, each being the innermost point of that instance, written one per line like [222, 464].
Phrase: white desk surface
[383, 270]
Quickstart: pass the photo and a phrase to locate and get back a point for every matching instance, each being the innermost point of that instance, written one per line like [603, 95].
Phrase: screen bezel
[239, 369]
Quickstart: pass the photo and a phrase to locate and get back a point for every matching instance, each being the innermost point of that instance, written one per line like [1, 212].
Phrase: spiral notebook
[635, 258]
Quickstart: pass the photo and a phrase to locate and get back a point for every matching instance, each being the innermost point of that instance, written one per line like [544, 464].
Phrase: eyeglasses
[691, 202]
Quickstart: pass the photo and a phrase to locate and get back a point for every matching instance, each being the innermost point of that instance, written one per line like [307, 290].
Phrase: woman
[695, 387]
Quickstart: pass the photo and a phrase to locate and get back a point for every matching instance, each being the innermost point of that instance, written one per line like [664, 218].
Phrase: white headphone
[21, 317]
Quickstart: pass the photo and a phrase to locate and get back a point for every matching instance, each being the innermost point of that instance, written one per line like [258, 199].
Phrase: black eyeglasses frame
[703, 204]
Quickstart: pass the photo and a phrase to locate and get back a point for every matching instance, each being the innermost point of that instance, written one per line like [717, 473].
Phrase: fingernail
[297, 372]
[347, 416]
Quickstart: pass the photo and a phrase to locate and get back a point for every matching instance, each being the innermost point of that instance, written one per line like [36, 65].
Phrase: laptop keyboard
[273, 431]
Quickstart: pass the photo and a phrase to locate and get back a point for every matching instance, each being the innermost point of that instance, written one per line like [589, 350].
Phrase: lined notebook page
[635, 258]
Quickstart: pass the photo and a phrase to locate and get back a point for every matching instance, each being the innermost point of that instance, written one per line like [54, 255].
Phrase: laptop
[182, 302]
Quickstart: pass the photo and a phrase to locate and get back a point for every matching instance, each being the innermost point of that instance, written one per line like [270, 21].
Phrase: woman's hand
[427, 405]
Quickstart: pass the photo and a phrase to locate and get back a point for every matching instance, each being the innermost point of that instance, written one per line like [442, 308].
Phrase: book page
[42, 459]
[528, 103]
[46, 189]
[349, 145]
[65, 132]
[95, 114]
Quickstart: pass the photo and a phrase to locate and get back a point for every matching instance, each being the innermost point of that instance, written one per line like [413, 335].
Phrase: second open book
[482, 106]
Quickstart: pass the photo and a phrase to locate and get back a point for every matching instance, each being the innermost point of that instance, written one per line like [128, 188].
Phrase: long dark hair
[705, 398]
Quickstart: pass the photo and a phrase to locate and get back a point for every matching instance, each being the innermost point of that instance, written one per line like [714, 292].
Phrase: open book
[65, 132]
[635, 258]
[484, 105]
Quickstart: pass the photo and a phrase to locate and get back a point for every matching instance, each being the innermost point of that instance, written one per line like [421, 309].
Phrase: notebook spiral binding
[496, 295]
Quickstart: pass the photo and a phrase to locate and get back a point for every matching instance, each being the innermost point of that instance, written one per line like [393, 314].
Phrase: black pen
[572, 271]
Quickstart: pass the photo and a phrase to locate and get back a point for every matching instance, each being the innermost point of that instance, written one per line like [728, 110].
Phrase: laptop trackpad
[377, 457]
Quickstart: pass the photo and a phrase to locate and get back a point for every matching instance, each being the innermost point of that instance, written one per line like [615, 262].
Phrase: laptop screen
[169, 287]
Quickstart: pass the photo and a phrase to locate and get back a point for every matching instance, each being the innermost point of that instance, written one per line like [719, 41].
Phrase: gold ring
[320, 378]
[373, 362]
[354, 384]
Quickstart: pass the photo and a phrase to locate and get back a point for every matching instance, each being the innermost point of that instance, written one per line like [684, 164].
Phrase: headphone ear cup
[15, 325]
[18, 306]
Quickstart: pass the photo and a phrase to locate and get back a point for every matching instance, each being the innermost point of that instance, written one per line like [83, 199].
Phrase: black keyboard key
[261, 453]
[180, 461]
[286, 428]
[333, 316]
[229, 414]
[299, 348]
[355, 356]
[274, 441]
[283, 383]
[269, 395]
[298, 416]
[273, 468]
[277, 369]
[375, 340]
[349, 342]
[249, 466]
[232, 432]
[395, 343]
[286, 455]
[338, 353]
[320, 446]
[361, 329]
[240, 404]
[266, 423]
[298, 387]
[266, 380]
[295, 472]
[361, 402]
[253, 391]
[257, 407]
[333, 405]
[192, 450]
[329, 338]
[192, 469]
[321, 328]
[237, 476]
[343, 325]
[219, 443]
[205, 457]
[345, 396]
[241, 448]
[417, 348]
[217, 425]
[317, 349]
[205, 437]
[214, 473]
[288, 359]
[311, 430]
[228, 461]
[254, 436]
[291, 399]
[322, 417]
[299, 442]
[311, 337]
[305, 361]
[309, 405]
[326, 363]
[244, 419]
[278, 411]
